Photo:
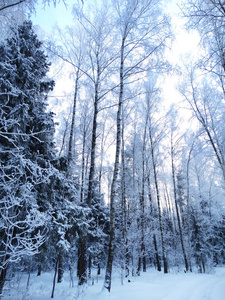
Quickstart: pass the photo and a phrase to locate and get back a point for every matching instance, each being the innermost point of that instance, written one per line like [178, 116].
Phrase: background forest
[109, 173]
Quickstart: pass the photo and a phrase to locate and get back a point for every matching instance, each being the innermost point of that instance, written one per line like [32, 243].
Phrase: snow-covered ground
[149, 286]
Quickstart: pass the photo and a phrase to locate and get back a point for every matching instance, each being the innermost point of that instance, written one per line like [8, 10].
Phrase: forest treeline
[118, 180]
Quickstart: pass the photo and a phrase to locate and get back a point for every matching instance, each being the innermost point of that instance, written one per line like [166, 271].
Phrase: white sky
[185, 44]
[49, 15]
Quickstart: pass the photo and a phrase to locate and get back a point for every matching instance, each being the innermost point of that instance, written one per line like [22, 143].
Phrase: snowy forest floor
[151, 285]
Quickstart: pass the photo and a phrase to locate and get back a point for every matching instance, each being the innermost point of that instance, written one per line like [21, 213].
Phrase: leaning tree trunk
[214, 143]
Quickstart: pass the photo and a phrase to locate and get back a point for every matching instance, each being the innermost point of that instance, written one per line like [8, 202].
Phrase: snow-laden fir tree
[26, 145]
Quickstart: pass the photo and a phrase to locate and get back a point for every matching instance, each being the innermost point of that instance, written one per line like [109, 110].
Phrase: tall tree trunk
[69, 168]
[157, 257]
[89, 265]
[2, 279]
[82, 260]
[176, 205]
[165, 264]
[113, 194]
[93, 142]
[171, 216]
[60, 268]
[82, 257]
[108, 275]
[103, 138]
[64, 136]
[71, 137]
[54, 279]
[142, 200]
[83, 166]
[82, 263]
[188, 206]
[39, 270]
[125, 255]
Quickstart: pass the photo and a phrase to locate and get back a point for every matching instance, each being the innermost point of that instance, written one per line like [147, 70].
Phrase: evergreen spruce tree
[98, 230]
[26, 145]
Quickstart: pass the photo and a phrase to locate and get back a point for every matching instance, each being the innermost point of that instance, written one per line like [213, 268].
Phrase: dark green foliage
[98, 229]
[26, 145]
[23, 90]
[39, 214]
[65, 216]
[93, 234]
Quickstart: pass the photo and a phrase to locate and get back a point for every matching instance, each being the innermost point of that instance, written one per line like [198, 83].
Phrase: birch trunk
[165, 264]
[93, 141]
[70, 150]
[125, 256]
[108, 275]
[176, 205]
[142, 201]
[157, 257]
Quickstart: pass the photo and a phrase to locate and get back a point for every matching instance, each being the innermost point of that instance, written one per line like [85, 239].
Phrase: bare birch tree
[175, 139]
[207, 106]
[140, 23]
